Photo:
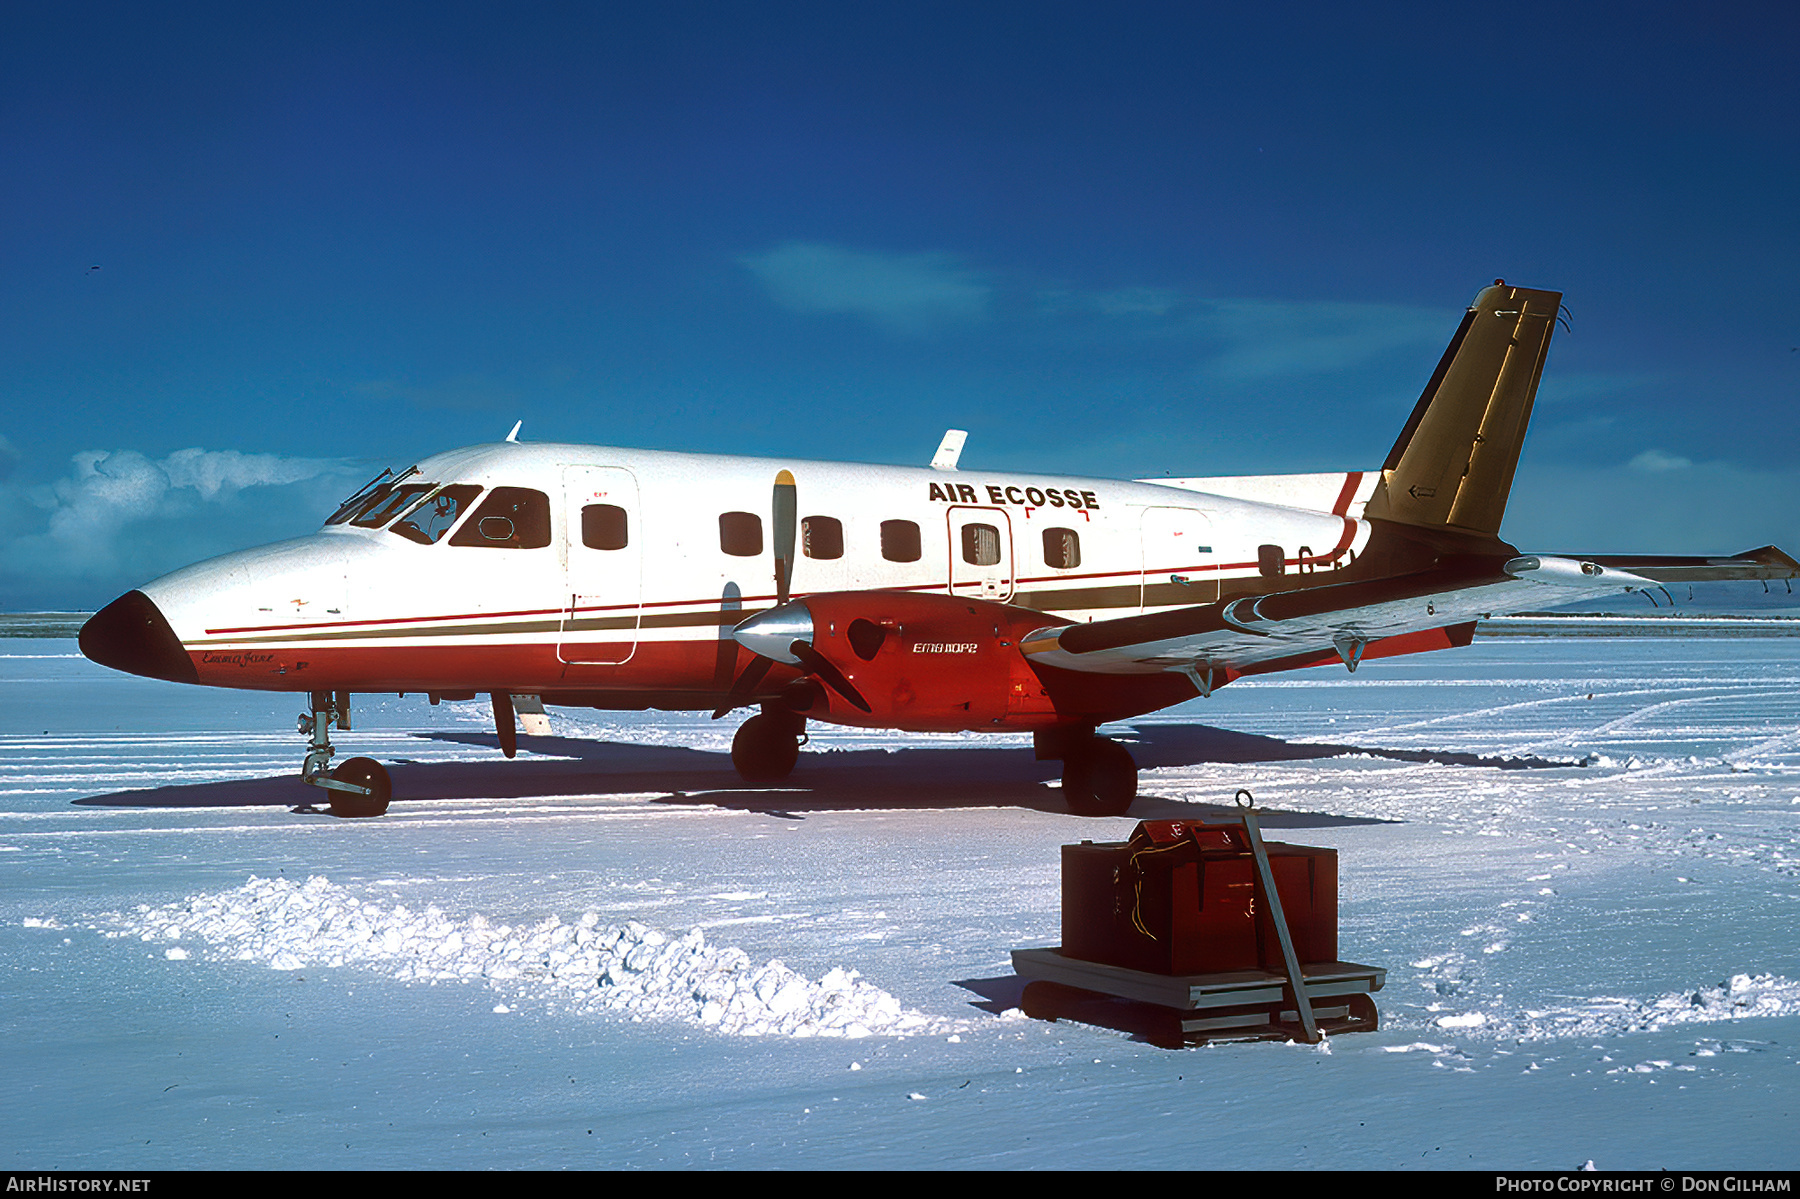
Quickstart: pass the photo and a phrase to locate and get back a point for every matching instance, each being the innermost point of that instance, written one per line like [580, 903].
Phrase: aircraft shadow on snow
[911, 777]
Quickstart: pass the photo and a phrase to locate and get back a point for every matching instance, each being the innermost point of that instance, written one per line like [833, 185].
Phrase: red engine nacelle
[927, 663]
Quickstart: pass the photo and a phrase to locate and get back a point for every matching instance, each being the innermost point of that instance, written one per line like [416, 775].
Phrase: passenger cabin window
[740, 534]
[980, 545]
[604, 527]
[427, 523]
[1269, 560]
[392, 504]
[1062, 548]
[900, 541]
[822, 537]
[515, 518]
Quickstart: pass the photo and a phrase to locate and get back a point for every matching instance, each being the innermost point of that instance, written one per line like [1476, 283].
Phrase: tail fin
[1453, 464]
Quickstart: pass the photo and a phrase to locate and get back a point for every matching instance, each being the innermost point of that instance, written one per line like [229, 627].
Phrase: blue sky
[1107, 239]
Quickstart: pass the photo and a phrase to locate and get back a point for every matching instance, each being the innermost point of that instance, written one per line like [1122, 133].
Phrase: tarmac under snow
[1578, 859]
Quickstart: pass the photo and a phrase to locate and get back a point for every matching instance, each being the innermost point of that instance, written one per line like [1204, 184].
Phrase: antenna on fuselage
[514, 435]
[949, 450]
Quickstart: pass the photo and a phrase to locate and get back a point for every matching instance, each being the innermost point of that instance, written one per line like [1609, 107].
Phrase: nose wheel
[359, 786]
[373, 788]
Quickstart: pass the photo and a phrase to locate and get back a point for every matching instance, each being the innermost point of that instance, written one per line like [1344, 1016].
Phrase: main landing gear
[1099, 775]
[767, 745]
[358, 787]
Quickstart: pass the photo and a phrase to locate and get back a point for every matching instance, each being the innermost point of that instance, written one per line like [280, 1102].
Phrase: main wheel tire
[765, 749]
[1078, 786]
[362, 772]
[1100, 779]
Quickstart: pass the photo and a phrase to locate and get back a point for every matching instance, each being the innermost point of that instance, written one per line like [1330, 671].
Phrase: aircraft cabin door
[605, 548]
[981, 554]
[1179, 567]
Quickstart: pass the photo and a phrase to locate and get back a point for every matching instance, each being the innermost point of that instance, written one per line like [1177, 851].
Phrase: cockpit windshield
[428, 522]
[369, 494]
[390, 505]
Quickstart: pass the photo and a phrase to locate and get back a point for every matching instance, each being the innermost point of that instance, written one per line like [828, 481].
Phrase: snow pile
[1743, 997]
[628, 968]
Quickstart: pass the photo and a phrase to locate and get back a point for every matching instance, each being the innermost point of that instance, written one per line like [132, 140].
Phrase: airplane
[912, 598]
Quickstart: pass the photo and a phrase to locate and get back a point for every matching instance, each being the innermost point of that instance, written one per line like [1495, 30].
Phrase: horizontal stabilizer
[1765, 563]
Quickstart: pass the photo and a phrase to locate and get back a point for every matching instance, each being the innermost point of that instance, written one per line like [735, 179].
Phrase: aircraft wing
[1215, 642]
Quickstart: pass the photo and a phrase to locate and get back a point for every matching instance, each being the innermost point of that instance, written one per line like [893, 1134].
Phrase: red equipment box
[1180, 898]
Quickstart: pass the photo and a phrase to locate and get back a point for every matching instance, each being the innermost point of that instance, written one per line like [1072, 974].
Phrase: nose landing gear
[358, 787]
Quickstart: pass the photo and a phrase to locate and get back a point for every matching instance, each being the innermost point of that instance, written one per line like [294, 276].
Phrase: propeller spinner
[785, 634]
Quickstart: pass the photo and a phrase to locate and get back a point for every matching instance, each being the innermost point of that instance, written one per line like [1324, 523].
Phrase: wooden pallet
[1184, 1009]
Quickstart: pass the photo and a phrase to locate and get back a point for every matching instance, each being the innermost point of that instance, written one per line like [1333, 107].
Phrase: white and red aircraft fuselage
[891, 597]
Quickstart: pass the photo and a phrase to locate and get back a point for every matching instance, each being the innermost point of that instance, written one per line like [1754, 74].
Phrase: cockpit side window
[391, 505]
[510, 518]
[428, 522]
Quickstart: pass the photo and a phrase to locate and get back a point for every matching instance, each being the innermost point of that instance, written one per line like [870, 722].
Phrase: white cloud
[1268, 338]
[901, 293]
[1236, 340]
[121, 517]
[1249, 340]
[1656, 461]
[111, 489]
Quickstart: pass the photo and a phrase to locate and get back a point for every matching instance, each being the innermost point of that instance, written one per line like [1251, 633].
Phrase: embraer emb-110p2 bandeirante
[886, 597]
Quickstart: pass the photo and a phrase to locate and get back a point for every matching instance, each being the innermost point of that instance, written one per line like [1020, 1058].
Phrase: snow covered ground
[1577, 858]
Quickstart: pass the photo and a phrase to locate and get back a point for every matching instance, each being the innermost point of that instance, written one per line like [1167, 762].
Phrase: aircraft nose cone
[771, 633]
[131, 634]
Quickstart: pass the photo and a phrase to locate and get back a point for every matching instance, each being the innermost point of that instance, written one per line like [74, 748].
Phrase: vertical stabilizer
[1453, 464]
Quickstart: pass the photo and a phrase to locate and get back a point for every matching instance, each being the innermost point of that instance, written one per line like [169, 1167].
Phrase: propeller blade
[784, 508]
[786, 504]
[745, 684]
[820, 666]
